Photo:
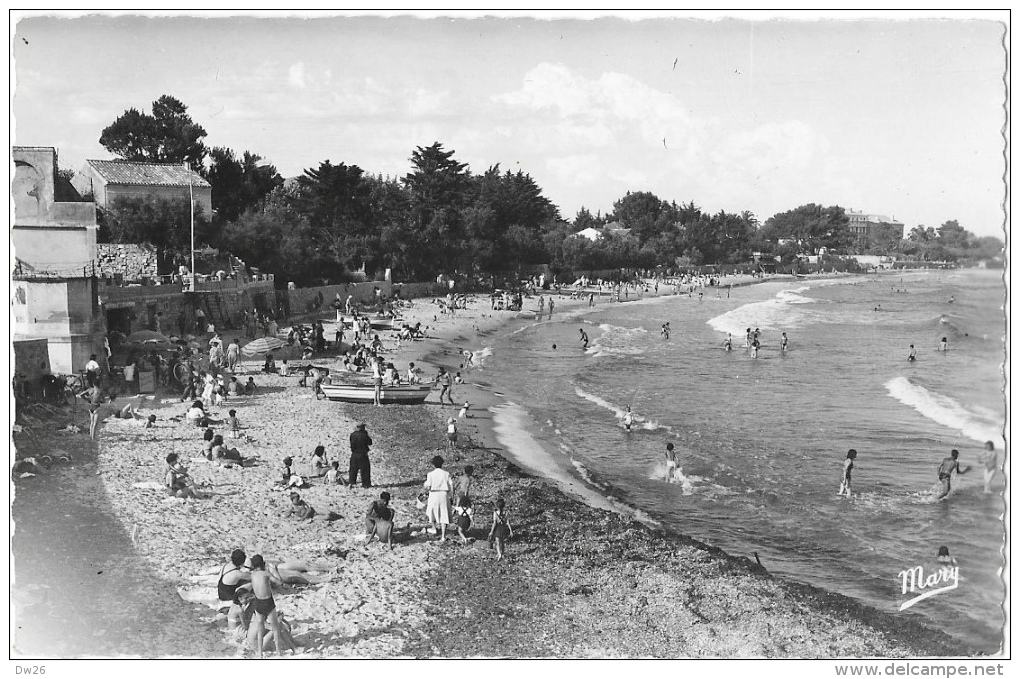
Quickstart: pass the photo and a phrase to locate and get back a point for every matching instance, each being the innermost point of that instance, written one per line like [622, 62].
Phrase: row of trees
[442, 218]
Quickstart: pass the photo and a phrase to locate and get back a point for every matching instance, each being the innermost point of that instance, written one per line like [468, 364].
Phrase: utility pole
[191, 205]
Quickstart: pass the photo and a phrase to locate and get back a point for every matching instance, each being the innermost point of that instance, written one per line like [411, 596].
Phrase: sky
[899, 115]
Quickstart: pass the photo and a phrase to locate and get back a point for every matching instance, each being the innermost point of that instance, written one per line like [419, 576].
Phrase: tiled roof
[148, 174]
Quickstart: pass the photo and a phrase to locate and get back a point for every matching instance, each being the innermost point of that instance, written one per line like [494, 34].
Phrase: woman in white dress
[439, 484]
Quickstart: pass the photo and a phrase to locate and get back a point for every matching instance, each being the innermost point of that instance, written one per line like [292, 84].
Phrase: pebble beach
[107, 567]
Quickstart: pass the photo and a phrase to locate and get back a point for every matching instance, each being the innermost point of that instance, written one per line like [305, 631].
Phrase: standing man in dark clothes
[360, 442]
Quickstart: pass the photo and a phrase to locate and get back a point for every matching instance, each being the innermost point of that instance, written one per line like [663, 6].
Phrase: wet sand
[578, 581]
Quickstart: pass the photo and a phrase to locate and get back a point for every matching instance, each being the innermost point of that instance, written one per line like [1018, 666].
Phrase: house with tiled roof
[108, 180]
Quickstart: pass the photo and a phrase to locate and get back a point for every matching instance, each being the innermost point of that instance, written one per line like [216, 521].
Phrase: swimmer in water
[747, 338]
[785, 340]
[728, 342]
[754, 347]
[943, 559]
[990, 460]
[944, 344]
[848, 467]
[628, 419]
[670, 463]
[913, 354]
[946, 469]
[584, 337]
[665, 331]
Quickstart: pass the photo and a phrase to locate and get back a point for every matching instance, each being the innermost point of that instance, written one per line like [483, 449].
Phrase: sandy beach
[105, 568]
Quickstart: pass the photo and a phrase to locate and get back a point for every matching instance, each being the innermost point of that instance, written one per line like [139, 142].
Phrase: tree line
[442, 218]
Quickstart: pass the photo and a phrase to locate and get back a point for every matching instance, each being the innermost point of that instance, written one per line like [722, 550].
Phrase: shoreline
[915, 635]
[569, 561]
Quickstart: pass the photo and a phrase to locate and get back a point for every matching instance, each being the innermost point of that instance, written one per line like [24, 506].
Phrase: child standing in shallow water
[848, 467]
[501, 530]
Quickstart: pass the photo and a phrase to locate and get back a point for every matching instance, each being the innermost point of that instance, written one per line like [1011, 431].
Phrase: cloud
[422, 102]
[617, 133]
[615, 106]
[296, 75]
[576, 170]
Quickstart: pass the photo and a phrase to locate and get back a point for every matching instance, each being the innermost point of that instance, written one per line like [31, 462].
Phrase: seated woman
[270, 365]
[379, 520]
[319, 464]
[177, 480]
[207, 444]
[233, 387]
[289, 478]
[241, 610]
[306, 353]
[196, 415]
[221, 452]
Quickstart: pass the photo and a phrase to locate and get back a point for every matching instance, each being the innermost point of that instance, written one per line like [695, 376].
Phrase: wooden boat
[377, 322]
[365, 393]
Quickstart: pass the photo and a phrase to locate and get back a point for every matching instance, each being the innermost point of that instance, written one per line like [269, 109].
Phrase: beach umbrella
[148, 336]
[262, 345]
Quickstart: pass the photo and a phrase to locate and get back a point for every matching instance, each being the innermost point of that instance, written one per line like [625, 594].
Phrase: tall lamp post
[191, 211]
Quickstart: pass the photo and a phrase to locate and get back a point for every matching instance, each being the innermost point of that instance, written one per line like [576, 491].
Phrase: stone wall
[129, 260]
[135, 307]
[319, 300]
[417, 290]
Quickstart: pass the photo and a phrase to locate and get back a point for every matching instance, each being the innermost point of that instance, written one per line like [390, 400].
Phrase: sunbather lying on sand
[299, 508]
[297, 573]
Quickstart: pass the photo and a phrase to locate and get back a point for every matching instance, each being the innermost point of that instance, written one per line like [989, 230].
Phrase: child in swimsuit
[265, 605]
[501, 530]
[848, 466]
[462, 518]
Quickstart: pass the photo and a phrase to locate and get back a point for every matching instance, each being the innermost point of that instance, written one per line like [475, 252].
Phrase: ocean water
[762, 441]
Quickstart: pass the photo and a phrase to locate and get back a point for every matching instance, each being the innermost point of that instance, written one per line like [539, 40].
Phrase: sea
[762, 441]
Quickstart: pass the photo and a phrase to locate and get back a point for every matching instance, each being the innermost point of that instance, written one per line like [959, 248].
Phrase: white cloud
[296, 75]
[423, 102]
[576, 170]
[613, 106]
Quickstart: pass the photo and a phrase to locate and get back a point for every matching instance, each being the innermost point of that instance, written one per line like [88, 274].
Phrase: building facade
[866, 226]
[54, 286]
[108, 180]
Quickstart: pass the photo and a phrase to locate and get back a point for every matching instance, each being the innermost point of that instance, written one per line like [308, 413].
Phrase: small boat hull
[365, 393]
[377, 322]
